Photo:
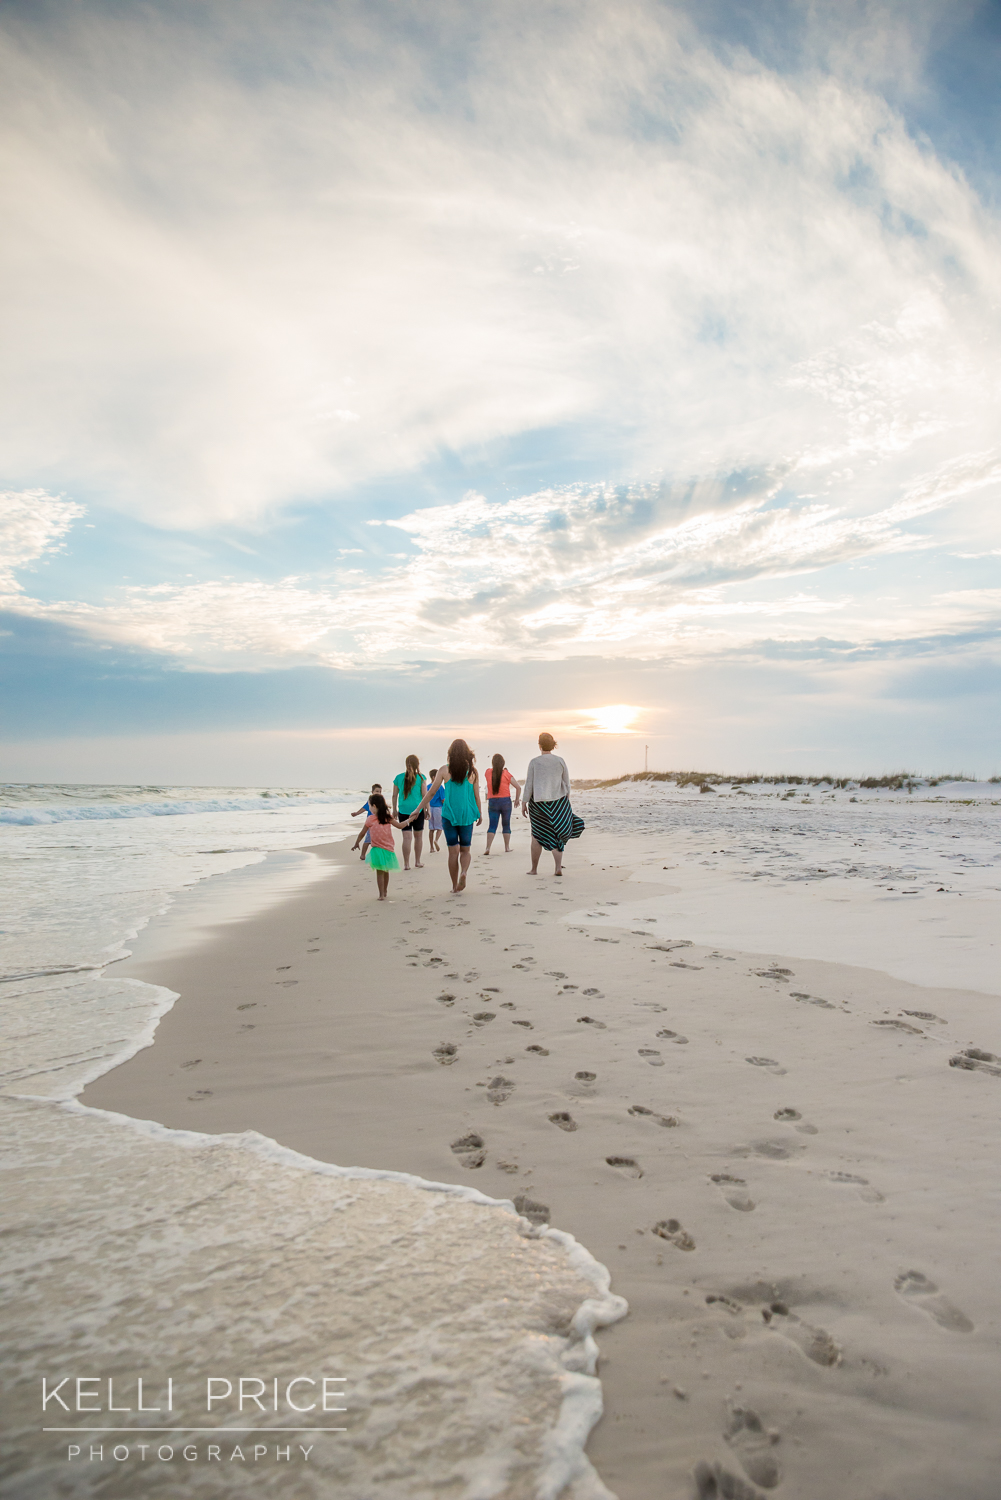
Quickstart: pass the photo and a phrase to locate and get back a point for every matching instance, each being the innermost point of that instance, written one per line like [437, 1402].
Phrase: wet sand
[789, 1182]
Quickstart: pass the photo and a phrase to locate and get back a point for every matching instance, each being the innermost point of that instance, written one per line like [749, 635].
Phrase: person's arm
[358, 811]
[517, 790]
[396, 796]
[528, 789]
[428, 795]
[565, 783]
[476, 794]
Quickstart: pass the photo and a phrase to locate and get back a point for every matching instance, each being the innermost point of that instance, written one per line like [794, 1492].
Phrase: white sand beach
[746, 1055]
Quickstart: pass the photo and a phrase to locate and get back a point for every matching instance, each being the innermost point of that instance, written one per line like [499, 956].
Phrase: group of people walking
[448, 802]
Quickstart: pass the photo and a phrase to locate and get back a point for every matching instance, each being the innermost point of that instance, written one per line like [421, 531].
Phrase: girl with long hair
[379, 826]
[499, 782]
[408, 789]
[547, 804]
[460, 809]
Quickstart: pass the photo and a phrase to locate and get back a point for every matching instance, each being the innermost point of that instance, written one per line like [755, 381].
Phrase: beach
[782, 1148]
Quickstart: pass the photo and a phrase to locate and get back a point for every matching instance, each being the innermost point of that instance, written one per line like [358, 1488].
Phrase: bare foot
[418, 866]
[532, 872]
[462, 883]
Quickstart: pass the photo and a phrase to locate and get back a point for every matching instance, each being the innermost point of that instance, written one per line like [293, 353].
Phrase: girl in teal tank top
[459, 806]
[460, 809]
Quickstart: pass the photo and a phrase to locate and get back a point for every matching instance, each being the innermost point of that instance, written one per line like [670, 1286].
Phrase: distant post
[646, 758]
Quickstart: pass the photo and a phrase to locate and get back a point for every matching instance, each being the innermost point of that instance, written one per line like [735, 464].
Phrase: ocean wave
[29, 816]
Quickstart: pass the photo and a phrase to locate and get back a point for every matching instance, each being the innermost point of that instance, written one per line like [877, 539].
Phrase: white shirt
[547, 780]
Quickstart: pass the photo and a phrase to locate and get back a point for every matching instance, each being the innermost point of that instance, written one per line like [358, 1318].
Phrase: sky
[374, 373]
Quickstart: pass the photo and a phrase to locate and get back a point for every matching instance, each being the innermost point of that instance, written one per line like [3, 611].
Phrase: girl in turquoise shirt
[460, 809]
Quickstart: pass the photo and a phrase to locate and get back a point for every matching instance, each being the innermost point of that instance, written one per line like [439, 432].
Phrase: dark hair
[410, 774]
[378, 803]
[546, 741]
[461, 761]
[498, 766]
[376, 786]
[433, 772]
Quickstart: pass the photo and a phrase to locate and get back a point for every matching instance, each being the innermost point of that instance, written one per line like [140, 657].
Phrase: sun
[614, 718]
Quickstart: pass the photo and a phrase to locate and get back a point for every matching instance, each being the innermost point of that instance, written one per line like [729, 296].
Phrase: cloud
[259, 258]
[580, 571]
[32, 523]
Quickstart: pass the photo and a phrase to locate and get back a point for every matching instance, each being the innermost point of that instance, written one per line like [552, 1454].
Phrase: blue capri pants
[499, 808]
[457, 833]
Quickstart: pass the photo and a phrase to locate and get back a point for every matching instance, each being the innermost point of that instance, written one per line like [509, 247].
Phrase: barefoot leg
[418, 848]
[453, 865]
[536, 856]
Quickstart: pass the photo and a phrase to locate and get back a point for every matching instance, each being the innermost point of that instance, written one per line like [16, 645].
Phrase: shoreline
[360, 1022]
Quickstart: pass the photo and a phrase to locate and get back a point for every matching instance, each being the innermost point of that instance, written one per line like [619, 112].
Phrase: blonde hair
[546, 741]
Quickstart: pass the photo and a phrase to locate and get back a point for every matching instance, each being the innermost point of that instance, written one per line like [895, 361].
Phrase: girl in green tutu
[379, 826]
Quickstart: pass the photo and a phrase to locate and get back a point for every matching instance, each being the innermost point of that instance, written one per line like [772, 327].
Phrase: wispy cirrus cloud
[251, 263]
[580, 571]
[32, 523]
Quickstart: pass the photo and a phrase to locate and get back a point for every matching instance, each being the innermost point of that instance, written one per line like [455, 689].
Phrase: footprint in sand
[926, 1015]
[671, 1230]
[554, 974]
[627, 1165]
[975, 1059]
[590, 1021]
[866, 1193]
[446, 999]
[193, 1063]
[732, 1190]
[812, 1000]
[470, 1149]
[788, 1116]
[535, 1213]
[247, 1026]
[668, 1121]
[901, 1026]
[652, 1056]
[482, 1017]
[775, 1150]
[767, 1062]
[507, 1005]
[585, 1077]
[596, 993]
[815, 1343]
[539, 1051]
[508, 1166]
[563, 1120]
[713, 1482]
[527, 1025]
[675, 1037]
[915, 1287]
[753, 1445]
[499, 1089]
[445, 1053]
[199, 1095]
[247, 1005]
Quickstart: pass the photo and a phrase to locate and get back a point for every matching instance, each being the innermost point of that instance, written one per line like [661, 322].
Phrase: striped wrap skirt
[554, 823]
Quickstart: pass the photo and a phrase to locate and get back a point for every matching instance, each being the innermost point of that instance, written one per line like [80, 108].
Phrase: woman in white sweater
[546, 802]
